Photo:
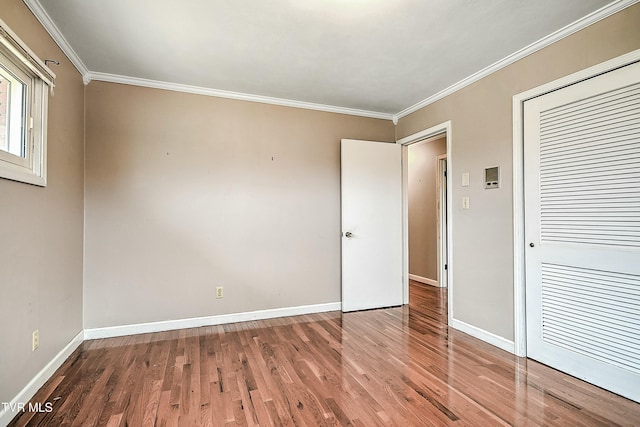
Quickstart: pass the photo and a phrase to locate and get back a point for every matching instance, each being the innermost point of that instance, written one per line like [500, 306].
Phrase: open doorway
[433, 180]
[425, 177]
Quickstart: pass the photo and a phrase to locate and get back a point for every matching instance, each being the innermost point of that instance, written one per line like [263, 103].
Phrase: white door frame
[519, 284]
[441, 215]
[437, 130]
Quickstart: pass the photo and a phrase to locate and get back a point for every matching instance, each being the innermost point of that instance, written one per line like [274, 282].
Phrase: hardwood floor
[396, 366]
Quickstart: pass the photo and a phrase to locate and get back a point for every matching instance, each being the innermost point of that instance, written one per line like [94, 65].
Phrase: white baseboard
[6, 415]
[483, 335]
[195, 322]
[424, 280]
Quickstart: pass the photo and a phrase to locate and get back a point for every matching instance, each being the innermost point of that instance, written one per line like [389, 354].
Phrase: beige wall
[423, 196]
[481, 116]
[41, 228]
[185, 193]
[188, 192]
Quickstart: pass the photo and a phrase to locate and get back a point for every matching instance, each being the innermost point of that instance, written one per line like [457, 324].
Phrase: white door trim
[437, 130]
[520, 325]
[441, 162]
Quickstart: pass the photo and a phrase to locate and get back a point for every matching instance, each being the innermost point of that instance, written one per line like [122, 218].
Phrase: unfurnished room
[319, 212]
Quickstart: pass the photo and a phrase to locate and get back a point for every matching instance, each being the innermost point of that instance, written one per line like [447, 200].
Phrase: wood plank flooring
[397, 366]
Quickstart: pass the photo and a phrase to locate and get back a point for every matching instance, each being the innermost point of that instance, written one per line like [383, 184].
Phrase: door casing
[434, 131]
[441, 194]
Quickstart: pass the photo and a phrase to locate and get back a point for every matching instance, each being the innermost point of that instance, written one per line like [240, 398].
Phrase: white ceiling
[375, 55]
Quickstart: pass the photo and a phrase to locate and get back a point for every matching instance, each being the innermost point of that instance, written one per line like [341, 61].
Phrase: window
[24, 83]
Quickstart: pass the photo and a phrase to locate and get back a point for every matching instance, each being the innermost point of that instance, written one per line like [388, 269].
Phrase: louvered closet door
[582, 216]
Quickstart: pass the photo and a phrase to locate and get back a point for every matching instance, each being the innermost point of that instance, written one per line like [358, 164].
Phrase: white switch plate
[35, 340]
[465, 179]
[465, 202]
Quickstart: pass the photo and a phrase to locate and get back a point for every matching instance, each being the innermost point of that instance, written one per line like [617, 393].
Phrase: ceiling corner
[43, 17]
[592, 18]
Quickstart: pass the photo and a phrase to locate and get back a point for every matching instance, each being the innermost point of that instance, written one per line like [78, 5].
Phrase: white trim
[405, 225]
[87, 76]
[441, 213]
[45, 20]
[55, 33]
[195, 322]
[17, 47]
[578, 25]
[40, 378]
[437, 130]
[587, 73]
[519, 301]
[38, 79]
[424, 280]
[519, 289]
[426, 135]
[177, 87]
[483, 335]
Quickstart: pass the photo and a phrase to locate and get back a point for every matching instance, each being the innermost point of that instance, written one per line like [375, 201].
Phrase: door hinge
[445, 174]
[446, 267]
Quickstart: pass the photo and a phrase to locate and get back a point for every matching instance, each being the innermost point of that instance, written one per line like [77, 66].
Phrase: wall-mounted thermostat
[492, 177]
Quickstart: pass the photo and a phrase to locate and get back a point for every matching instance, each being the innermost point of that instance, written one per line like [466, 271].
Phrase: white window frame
[15, 55]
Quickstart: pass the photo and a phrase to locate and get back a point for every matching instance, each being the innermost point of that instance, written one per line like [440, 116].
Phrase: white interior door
[371, 224]
[582, 228]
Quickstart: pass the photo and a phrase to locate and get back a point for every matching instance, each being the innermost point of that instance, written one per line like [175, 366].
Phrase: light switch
[465, 202]
[465, 179]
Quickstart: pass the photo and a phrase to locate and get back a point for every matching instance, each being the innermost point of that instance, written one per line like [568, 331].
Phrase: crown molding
[55, 33]
[46, 21]
[198, 90]
[574, 27]
[36, 8]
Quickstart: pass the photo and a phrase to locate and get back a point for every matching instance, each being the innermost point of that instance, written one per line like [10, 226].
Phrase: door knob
[531, 244]
[348, 234]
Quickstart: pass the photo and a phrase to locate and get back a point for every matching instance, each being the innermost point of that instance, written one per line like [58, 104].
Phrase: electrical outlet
[35, 340]
[219, 292]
